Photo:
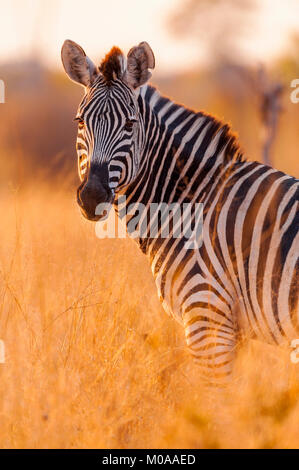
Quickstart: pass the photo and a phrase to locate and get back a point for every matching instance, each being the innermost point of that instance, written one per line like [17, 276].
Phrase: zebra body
[243, 278]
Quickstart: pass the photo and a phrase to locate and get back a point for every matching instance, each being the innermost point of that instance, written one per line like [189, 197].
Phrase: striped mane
[228, 139]
[111, 65]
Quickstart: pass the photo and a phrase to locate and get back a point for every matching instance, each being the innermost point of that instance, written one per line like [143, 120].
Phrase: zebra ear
[77, 65]
[140, 59]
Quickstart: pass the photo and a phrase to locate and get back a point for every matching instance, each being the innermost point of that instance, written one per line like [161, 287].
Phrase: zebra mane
[228, 138]
[111, 65]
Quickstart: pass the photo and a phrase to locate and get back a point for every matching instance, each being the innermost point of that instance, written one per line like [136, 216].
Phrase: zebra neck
[179, 143]
[183, 154]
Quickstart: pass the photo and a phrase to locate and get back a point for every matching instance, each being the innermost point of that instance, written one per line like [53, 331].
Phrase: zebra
[132, 141]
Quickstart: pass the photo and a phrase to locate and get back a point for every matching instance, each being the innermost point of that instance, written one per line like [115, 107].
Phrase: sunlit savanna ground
[93, 361]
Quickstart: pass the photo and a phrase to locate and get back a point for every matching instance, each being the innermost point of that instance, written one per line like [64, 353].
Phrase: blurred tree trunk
[270, 94]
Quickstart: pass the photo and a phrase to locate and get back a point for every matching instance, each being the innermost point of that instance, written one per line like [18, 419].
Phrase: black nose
[91, 193]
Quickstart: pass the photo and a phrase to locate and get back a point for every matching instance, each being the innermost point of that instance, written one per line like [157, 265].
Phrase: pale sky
[40, 26]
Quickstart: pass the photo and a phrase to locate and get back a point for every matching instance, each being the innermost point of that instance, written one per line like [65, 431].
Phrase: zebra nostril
[94, 191]
[89, 197]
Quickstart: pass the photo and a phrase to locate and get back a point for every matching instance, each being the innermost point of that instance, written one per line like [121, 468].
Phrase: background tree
[221, 26]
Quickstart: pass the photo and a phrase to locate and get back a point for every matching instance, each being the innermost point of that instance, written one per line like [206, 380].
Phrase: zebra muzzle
[95, 199]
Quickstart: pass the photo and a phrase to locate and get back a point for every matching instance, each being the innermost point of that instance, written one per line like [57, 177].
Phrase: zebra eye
[80, 121]
[129, 124]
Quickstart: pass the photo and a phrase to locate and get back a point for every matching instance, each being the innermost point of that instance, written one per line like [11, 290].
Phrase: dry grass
[93, 361]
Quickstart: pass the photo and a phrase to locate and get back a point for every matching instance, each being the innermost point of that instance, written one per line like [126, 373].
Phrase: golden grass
[93, 361]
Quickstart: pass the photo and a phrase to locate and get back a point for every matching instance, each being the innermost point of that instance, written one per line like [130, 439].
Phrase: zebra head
[110, 127]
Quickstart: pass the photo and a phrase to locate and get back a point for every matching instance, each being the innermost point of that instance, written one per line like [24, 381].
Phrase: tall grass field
[92, 360]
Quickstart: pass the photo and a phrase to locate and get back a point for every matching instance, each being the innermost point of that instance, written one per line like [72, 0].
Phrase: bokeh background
[91, 358]
[208, 54]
